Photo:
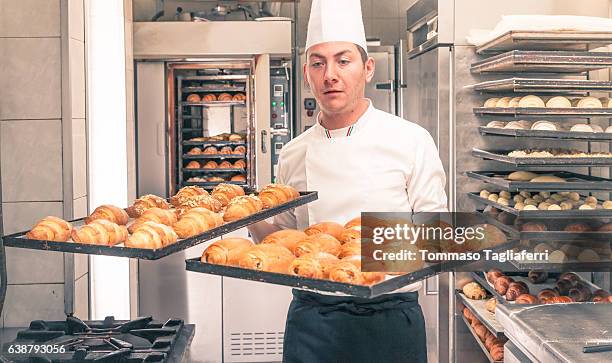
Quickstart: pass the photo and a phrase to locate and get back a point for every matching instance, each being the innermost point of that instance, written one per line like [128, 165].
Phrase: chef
[358, 159]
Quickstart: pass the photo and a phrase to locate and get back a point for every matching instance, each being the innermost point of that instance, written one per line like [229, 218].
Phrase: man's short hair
[363, 53]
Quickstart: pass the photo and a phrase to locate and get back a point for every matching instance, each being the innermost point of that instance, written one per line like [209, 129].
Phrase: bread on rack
[514, 102]
[194, 97]
[215, 179]
[503, 102]
[110, 213]
[158, 215]
[493, 274]
[349, 235]
[589, 102]
[224, 97]
[474, 291]
[235, 137]
[193, 165]
[240, 149]
[521, 176]
[320, 242]
[526, 299]
[199, 201]
[350, 249]
[151, 235]
[496, 124]
[51, 228]
[580, 292]
[347, 272]
[546, 294]
[558, 102]
[242, 207]
[194, 151]
[537, 277]
[353, 222]
[210, 150]
[497, 352]
[286, 237]
[209, 97]
[226, 150]
[145, 202]
[491, 102]
[313, 265]
[581, 128]
[502, 283]
[544, 125]
[239, 97]
[211, 165]
[238, 178]
[240, 164]
[226, 251]
[273, 195]
[547, 179]
[196, 221]
[100, 232]
[531, 101]
[186, 193]
[267, 257]
[491, 305]
[225, 165]
[559, 300]
[332, 228]
[226, 192]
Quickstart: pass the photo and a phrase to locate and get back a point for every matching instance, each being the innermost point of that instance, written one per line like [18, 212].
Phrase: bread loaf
[531, 101]
[559, 102]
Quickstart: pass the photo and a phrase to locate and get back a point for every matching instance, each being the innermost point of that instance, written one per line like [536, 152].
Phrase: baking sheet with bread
[548, 102]
[544, 200]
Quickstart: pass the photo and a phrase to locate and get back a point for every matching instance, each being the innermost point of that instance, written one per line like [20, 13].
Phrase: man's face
[337, 75]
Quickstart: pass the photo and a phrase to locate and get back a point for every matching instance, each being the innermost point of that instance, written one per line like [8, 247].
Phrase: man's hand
[261, 229]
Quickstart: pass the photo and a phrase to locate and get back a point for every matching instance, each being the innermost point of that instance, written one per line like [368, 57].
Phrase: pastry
[287, 237]
[151, 235]
[544, 125]
[355, 222]
[554, 207]
[547, 179]
[542, 248]
[493, 274]
[51, 228]
[163, 216]
[481, 332]
[497, 352]
[503, 102]
[474, 291]
[493, 197]
[235, 137]
[546, 294]
[590, 200]
[110, 213]
[100, 232]
[559, 300]
[589, 102]
[241, 207]
[515, 289]
[224, 97]
[193, 98]
[238, 178]
[577, 227]
[514, 102]
[273, 195]
[210, 97]
[557, 256]
[239, 97]
[367, 278]
[239, 150]
[192, 165]
[347, 272]
[332, 228]
[559, 102]
[490, 341]
[215, 179]
[563, 286]
[225, 165]
[484, 194]
[581, 128]
[531, 101]
[606, 102]
[240, 164]
[580, 292]
[267, 257]
[146, 202]
[521, 176]
[533, 227]
[196, 221]
[194, 151]
[496, 124]
[605, 228]
[502, 283]
[588, 255]
[186, 193]
[586, 206]
[199, 201]
[491, 102]
[537, 277]
[210, 150]
[211, 165]
[350, 249]
[226, 192]
[526, 299]
[226, 150]
[530, 207]
[226, 251]
[350, 235]
[313, 265]
[320, 242]
[491, 304]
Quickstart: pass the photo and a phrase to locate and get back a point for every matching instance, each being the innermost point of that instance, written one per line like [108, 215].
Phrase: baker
[358, 159]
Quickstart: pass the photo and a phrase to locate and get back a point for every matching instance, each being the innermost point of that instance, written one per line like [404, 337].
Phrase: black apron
[323, 328]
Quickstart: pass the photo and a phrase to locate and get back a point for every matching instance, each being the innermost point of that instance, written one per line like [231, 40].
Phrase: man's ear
[370, 66]
[306, 84]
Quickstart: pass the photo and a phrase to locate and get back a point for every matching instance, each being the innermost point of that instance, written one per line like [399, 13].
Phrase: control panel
[280, 111]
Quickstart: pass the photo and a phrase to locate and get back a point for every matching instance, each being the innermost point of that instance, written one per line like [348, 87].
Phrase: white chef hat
[336, 21]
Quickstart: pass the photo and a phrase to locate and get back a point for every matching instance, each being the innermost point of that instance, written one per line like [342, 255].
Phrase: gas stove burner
[75, 340]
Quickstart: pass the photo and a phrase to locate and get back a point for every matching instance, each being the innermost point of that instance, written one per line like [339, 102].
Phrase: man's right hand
[261, 229]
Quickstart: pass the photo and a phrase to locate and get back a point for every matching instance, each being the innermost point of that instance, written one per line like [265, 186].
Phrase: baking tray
[541, 85]
[213, 156]
[481, 344]
[227, 170]
[537, 214]
[574, 182]
[544, 111]
[502, 156]
[546, 40]
[509, 230]
[487, 318]
[212, 89]
[544, 62]
[213, 143]
[18, 239]
[601, 266]
[215, 103]
[210, 185]
[548, 135]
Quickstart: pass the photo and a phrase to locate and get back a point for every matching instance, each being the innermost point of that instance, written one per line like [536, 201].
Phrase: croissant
[526, 299]
[497, 353]
[353, 223]
[241, 207]
[224, 97]
[559, 102]
[559, 300]
[51, 228]
[332, 228]
[163, 216]
[200, 201]
[210, 165]
[210, 150]
[193, 165]
[469, 316]
[531, 101]
[312, 265]
[238, 178]
[193, 98]
[589, 102]
[226, 192]
[151, 235]
[502, 283]
[352, 248]
[226, 150]
[490, 341]
[287, 238]
[347, 272]
[321, 242]
[239, 150]
[275, 194]
[100, 232]
[493, 274]
[226, 251]
[196, 221]
[491, 305]
[239, 97]
[110, 213]
[267, 257]
[146, 202]
[225, 165]
[580, 293]
[368, 278]
[186, 193]
[209, 97]
[240, 164]
[194, 151]
[474, 291]
[350, 235]
[481, 332]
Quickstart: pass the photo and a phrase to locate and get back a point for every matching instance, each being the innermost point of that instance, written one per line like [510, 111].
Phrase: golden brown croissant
[193, 165]
[238, 178]
[353, 222]
[163, 216]
[241, 207]
[194, 97]
[226, 150]
[268, 257]
[240, 164]
[224, 97]
[210, 165]
[275, 194]
[313, 265]
[287, 237]
[226, 192]
[225, 165]
[320, 242]
[209, 97]
[332, 228]
[110, 213]
[200, 201]
[100, 232]
[146, 202]
[368, 278]
[194, 151]
[239, 97]
[196, 221]
[51, 228]
[226, 251]
[151, 235]
[347, 272]
[186, 193]
[352, 248]
[350, 235]
[210, 150]
[239, 150]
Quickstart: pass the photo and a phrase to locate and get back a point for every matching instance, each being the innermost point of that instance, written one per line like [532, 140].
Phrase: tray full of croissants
[154, 227]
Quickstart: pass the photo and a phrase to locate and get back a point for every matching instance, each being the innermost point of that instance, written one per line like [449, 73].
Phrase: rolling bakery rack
[540, 63]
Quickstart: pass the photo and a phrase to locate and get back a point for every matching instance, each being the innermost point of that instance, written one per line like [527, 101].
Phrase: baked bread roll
[273, 195]
[210, 150]
[544, 125]
[186, 193]
[515, 289]
[537, 277]
[367, 278]
[225, 165]
[51, 228]
[226, 192]
[350, 235]
[224, 97]
[102, 232]
[526, 299]
[557, 256]
[226, 251]
[353, 222]
[241, 207]
[196, 221]
[239, 97]
[581, 128]
[211, 165]
[320, 242]
[332, 228]
[533, 227]
[347, 272]
[240, 164]
[497, 352]
[491, 102]
[608, 129]
[193, 98]
[209, 97]
[286, 237]
[521, 176]
[481, 332]
[235, 137]
[313, 265]
[151, 235]
[193, 165]
[493, 274]
[577, 227]
[194, 151]
[490, 341]
[502, 283]
[226, 150]
[503, 102]
[491, 305]
[546, 294]
[516, 125]
[531, 101]
[547, 179]
[559, 102]
[215, 179]
[240, 149]
[496, 124]
[110, 213]
[267, 257]
[146, 202]
[589, 102]
[514, 102]
[474, 291]
[559, 300]
[350, 249]
[158, 215]
[238, 178]
[588, 255]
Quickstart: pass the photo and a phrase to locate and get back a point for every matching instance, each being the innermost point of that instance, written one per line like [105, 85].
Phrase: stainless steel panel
[262, 135]
[384, 76]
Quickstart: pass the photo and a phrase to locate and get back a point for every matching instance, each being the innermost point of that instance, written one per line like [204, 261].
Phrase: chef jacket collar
[345, 131]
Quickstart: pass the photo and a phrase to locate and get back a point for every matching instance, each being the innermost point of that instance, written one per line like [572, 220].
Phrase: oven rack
[544, 111]
[543, 85]
[543, 62]
[502, 156]
[547, 135]
[574, 182]
[546, 40]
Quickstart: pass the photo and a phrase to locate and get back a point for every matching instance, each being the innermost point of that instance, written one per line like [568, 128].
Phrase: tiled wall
[42, 46]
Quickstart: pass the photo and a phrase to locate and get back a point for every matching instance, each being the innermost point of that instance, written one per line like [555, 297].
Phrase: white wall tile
[79, 207]
[76, 22]
[77, 78]
[20, 217]
[79, 159]
[25, 303]
[81, 265]
[29, 18]
[81, 297]
[34, 267]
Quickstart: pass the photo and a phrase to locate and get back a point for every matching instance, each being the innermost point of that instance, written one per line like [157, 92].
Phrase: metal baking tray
[487, 318]
[481, 344]
[18, 239]
[212, 88]
[537, 214]
[210, 185]
[548, 135]
[227, 170]
[213, 143]
[544, 111]
[544, 62]
[601, 266]
[546, 40]
[213, 156]
[502, 156]
[573, 181]
[508, 229]
[541, 85]
[215, 103]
